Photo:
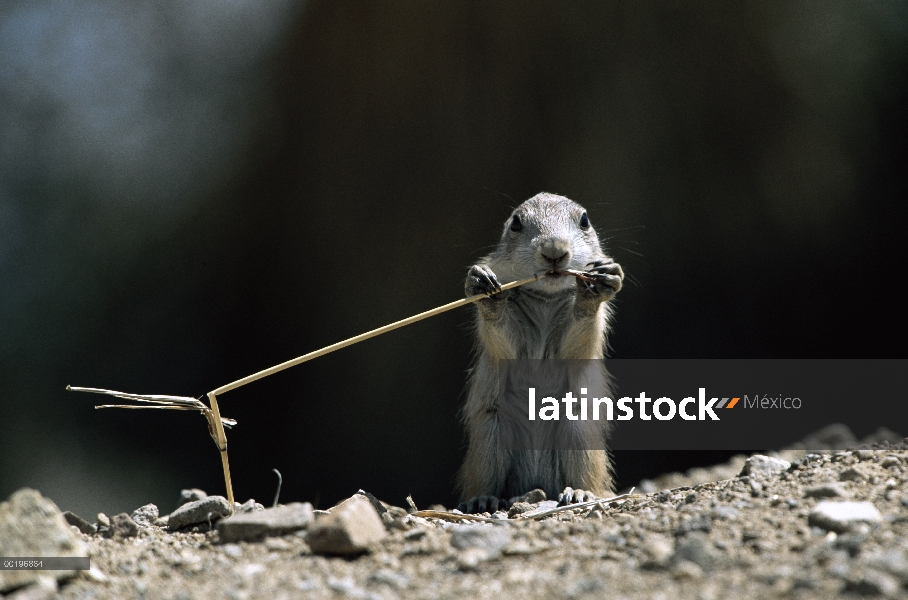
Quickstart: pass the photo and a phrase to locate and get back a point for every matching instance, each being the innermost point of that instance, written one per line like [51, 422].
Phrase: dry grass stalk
[216, 423]
[600, 502]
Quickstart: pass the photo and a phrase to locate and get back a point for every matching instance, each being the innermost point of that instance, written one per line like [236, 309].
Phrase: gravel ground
[782, 530]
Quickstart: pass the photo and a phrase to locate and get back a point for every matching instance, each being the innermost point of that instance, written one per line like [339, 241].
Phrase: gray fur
[556, 317]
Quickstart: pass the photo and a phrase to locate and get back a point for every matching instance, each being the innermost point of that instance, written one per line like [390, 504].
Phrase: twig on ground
[600, 502]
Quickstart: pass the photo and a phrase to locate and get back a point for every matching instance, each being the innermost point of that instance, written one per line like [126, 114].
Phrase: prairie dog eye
[584, 221]
[516, 225]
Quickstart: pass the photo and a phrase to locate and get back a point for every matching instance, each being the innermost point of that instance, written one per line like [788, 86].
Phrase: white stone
[842, 516]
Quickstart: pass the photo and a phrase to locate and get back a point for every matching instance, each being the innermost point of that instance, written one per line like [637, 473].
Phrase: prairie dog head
[546, 232]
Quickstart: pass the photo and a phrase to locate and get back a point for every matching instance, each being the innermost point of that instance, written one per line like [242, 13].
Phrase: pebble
[891, 461]
[247, 507]
[491, 539]
[687, 570]
[874, 583]
[257, 525]
[850, 542]
[698, 523]
[858, 472]
[826, 490]
[122, 526]
[145, 516]
[756, 488]
[376, 504]
[32, 525]
[77, 521]
[696, 549]
[532, 497]
[191, 495]
[351, 527]
[208, 509]
[725, 512]
[519, 508]
[660, 552]
[541, 507]
[764, 466]
[842, 516]
[392, 578]
[470, 558]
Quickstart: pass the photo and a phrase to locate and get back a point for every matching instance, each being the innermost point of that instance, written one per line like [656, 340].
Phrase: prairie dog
[559, 317]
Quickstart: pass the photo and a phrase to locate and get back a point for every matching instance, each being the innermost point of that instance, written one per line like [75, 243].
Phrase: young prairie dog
[559, 317]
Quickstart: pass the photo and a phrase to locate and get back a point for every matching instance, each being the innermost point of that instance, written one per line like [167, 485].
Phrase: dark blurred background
[194, 191]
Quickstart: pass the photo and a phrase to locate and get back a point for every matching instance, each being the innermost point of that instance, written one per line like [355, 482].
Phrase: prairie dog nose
[556, 251]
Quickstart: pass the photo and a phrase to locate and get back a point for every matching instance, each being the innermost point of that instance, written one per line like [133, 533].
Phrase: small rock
[208, 509]
[865, 454]
[257, 525]
[518, 508]
[351, 527]
[276, 544]
[826, 490]
[874, 583]
[842, 516]
[858, 472]
[541, 507]
[756, 488]
[698, 523]
[532, 497]
[122, 526]
[690, 498]
[491, 539]
[725, 513]
[145, 516]
[376, 503]
[759, 465]
[32, 525]
[247, 507]
[103, 521]
[77, 521]
[891, 461]
[687, 570]
[660, 551]
[850, 542]
[415, 534]
[749, 536]
[392, 578]
[696, 549]
[193, 495]
[471, 558]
